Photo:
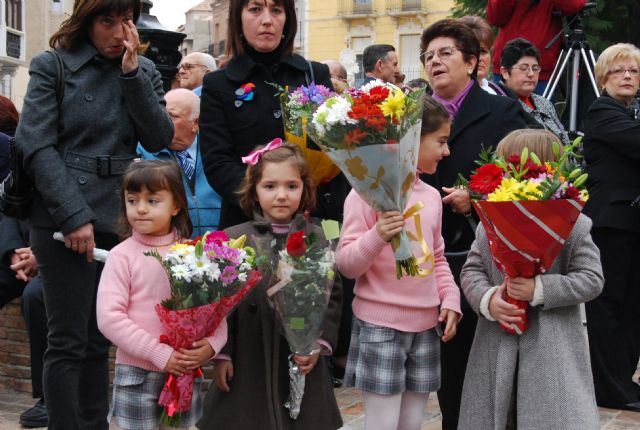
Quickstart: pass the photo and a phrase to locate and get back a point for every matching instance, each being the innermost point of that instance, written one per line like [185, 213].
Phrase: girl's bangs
[151, 178]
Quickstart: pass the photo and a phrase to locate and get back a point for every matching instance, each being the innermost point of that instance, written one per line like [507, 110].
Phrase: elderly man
[192, 69]
[183, 107]
[380, 62]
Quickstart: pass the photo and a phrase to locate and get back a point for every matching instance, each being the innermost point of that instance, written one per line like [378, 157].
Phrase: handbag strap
[59, 76]
[306, 76]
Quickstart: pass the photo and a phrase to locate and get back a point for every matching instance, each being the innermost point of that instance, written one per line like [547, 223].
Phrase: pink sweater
[410, 304]
[130, 287]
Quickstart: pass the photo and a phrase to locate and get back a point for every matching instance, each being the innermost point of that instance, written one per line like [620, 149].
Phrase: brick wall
[15, 373]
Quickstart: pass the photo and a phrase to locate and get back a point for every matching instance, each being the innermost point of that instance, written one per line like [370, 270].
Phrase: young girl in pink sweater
[154, 206]
[394, 356]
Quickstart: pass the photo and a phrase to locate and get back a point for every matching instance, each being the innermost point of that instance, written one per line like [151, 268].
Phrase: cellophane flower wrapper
[298, 107]
[209, 277]
[299, 294]
[528, 209]
[377, 154]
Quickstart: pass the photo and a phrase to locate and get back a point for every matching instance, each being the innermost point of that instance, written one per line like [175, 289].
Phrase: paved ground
[350, 401]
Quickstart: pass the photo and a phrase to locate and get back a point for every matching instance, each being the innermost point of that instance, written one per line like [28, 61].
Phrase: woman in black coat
[239, 107]
[450, 53]
[612, 154]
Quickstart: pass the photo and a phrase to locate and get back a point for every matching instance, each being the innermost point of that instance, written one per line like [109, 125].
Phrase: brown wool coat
[259, 352]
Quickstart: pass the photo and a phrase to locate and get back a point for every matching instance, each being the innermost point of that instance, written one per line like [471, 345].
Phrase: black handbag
[16, 191]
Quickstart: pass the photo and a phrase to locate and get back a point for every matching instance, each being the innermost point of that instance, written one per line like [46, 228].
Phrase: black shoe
[633, 406]
[35, 416]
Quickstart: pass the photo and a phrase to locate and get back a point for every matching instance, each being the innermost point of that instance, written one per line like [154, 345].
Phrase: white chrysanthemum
[213, 272]
[377, 83]
[333, 111]
[201, 265]
[242, 277]
[181, 271]
[244, 267]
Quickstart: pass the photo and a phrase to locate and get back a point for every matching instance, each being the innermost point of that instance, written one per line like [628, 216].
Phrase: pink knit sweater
[410, 304]
[130, 286]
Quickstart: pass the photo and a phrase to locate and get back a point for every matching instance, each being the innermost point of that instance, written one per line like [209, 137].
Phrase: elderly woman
[484, 34]
[520, 69]
[239, 109]
[450, 53]
[612, 154]
[76, 144]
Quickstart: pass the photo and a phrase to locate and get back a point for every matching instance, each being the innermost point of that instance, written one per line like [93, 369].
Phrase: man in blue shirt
[183, 107]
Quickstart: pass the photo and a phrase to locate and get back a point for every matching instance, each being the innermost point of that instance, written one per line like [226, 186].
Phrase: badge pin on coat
[244, 94]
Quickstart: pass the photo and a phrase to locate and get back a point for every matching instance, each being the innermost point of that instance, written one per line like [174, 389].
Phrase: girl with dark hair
[76, 142]
[450, 52]
[155, 208]
[252, 373]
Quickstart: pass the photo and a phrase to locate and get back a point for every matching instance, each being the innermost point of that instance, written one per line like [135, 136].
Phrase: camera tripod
[578, 51]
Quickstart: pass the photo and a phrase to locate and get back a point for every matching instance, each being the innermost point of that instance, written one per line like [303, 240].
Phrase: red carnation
[486, 179]
[572, 193]
[295, 244]
[378, 94]
[533, 170]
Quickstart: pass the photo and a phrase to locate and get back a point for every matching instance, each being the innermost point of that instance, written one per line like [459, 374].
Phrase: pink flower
[217, 237]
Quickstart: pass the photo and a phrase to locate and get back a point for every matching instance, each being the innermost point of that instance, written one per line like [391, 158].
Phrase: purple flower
[229, 274]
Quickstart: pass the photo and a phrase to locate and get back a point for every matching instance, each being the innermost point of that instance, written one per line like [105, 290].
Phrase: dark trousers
[33, 312]
[613, 319]
[453, 365]
[76, 372]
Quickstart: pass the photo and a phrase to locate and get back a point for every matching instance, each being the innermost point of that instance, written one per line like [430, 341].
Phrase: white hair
[205, 59]
[188, 99]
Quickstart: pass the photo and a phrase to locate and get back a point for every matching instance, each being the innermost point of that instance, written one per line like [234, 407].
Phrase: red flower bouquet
[208, 276]
[528, 210]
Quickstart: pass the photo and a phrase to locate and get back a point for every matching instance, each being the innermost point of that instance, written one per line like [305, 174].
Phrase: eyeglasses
[620, 71]
[535, 68]
[189, 66]
[443, 53]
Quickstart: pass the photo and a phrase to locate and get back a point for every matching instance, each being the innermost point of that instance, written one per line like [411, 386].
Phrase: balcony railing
[406, 7]
[14, 45]
[355, 8]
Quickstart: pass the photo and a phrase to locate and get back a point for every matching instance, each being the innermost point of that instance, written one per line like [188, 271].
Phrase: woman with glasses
[612, 154]
[520, 70]
[450, 53]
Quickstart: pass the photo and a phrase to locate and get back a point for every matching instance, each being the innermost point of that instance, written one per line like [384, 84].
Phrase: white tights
[401, 411]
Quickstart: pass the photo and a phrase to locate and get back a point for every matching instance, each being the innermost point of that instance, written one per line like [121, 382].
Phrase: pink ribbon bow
[254, 156]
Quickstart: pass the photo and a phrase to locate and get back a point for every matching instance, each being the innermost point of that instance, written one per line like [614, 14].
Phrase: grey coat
[555, 385]
[545, 114]
[102, 113]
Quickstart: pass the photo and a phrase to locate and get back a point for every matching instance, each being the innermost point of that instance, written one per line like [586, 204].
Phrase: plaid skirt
[387, 361]
[135, 399]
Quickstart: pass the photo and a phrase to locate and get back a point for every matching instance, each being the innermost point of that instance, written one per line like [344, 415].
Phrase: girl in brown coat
[252, 376]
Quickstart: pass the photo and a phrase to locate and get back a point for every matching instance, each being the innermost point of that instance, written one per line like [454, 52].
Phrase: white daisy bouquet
[208, 276]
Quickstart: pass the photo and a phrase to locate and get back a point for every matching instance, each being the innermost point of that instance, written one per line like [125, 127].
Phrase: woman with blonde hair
[612, 155]
[89, 102]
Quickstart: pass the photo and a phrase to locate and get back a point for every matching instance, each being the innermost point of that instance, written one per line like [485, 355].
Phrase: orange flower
[354, 137]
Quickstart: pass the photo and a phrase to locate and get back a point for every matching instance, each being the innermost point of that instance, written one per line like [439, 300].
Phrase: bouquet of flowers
[373, 135]
[208, 276]
[297, 108]
[528, 209]
[304, 274]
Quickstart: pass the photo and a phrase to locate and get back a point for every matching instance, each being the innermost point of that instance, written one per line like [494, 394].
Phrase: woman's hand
[459, 200]
[306, 363]
[174, 365]
[389, 224]
[199, 353]
[81, 240]
[451, 319]
[131, 43]
[521, 288]
[24, 263]
[504, 312]
[222, 374]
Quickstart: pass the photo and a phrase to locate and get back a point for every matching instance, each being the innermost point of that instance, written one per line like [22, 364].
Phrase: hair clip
[244, 94]
[254, 156]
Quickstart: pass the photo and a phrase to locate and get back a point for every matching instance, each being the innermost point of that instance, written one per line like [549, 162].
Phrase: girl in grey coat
[541, 379]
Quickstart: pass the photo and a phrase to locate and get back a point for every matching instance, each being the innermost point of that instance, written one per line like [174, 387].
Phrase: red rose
[486, 179]
[295, 244]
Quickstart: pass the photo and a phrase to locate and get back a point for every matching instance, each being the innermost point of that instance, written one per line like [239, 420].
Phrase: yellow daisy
[393, 106]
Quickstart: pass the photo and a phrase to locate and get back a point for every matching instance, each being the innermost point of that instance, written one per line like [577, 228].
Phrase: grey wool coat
[259, 352]
[555, 385]
[102, 114]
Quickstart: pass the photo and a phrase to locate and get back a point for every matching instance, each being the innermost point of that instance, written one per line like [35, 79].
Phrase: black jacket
[231, 129]
[483, 120]
[612, 154]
